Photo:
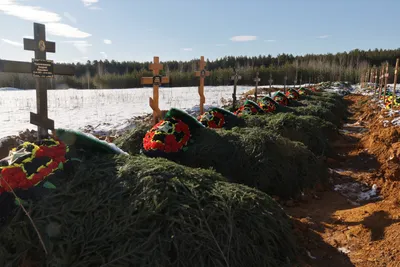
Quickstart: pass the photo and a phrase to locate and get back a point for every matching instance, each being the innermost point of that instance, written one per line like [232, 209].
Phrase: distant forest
[346, 66]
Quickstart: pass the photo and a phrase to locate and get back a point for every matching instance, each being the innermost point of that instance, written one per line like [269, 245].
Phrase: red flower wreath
[281, 100]
[246, 110]
[46, 154]
[302, 91]
[169, 135]
[292, 94]
[267, 105]
[212, 119]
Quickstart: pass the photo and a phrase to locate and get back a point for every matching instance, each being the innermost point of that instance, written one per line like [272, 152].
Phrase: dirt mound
[334, 230]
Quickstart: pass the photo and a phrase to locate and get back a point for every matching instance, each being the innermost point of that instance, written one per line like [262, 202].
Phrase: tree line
[347, 66]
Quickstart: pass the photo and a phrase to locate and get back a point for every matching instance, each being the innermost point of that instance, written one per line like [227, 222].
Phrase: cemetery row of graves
[179, 191]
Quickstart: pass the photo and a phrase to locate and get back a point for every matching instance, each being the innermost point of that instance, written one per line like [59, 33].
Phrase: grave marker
[41, 69]
[235, 79]
[386, 81]
[284, 86]
[375, 79]
[257, 80]
[156, 81]
[395, 82]
[270, 83]
[202, 73]
[301, 80]
[380, 82]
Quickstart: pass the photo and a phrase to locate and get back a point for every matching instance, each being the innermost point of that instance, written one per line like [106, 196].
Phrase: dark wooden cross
[380, 83]
[386, 82]
[202, 73]
[156, 81]
[284, 86]
[236, 77]
[270, 83]
[301, 80]
[41, 69]
[257, 80]
[395, 82]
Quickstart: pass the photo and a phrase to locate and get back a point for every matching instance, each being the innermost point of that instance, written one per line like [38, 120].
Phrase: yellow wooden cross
[156, 81]
[202, 73]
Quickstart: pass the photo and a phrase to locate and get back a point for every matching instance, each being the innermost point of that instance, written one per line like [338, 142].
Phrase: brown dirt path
[367, 234]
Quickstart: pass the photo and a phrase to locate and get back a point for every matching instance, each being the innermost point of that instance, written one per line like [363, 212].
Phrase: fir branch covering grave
[138, 211]
[255, 157]
[312, 131]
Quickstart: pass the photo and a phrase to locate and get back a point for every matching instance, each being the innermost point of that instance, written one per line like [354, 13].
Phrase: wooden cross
[257, 80]
[380, 84]
[284, 86]
[41, 69]
[235, 79]
[386, 81]
[395, 82]
[156, 81]
[371, 74]
[375, 79]
[270, 83]
[301, 80]
[202, 73]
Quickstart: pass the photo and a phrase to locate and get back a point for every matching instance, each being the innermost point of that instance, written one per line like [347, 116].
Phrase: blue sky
[186, 29]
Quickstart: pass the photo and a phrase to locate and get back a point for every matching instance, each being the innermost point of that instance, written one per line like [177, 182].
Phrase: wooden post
[395, 82]
[371, 75]
[202, 73]
[235, 79]
[301, 80]
[41, 69]
[156, 81]
[361, 80]
[386, 81]
[380, 82]
[270, 83]
[257, 80]
[284, 86]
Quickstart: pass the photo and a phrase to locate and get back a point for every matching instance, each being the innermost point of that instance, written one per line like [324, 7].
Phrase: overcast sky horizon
[137, 30]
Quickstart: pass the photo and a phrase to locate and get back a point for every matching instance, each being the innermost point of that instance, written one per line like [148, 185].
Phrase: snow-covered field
[75, 109]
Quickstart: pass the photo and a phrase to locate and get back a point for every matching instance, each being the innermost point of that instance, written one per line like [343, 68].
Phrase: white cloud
[89, 2]
[220, 45]
[270, 41]
[323, 36]
[243, 38]
[107, 41]
[82, 46]
[37, 14]
[103, 54]
[32, 13]
[27, 36]
[70, 17]
[95, 8]
[12, 42]
[61, 29]
[187, 49]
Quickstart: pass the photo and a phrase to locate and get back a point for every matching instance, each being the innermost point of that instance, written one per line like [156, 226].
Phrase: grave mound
[139, 211]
